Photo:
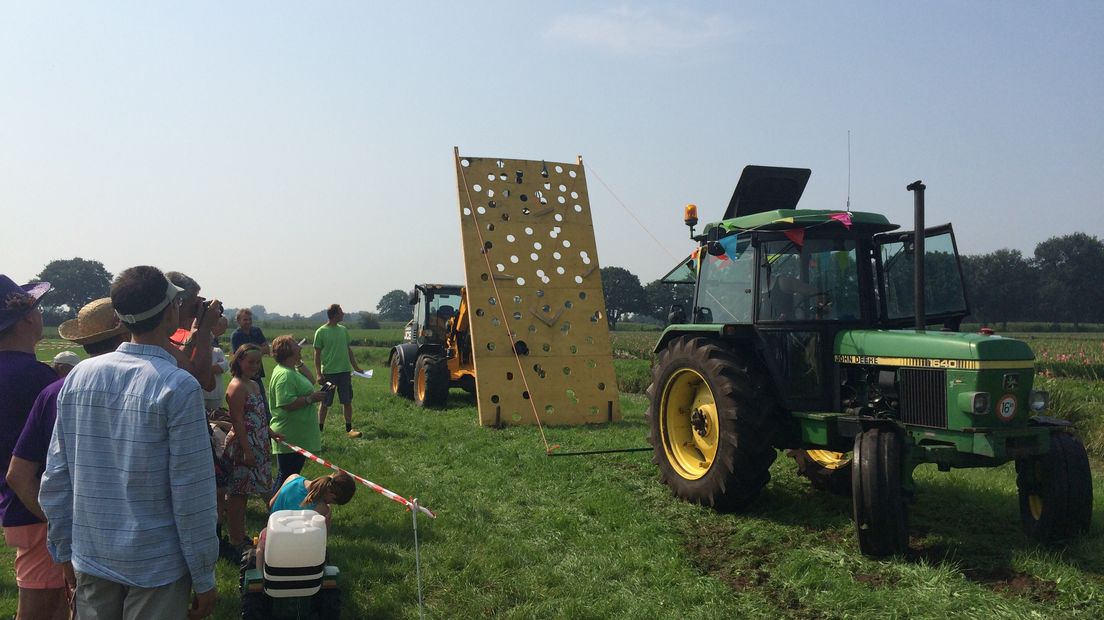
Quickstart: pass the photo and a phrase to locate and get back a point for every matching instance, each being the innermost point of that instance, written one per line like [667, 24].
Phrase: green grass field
[520, 534]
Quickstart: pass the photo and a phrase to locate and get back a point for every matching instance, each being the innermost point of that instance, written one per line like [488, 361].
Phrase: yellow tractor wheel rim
[689, 424]
[830, 460]
[420, 384]
[395, 378]
[1035, 501]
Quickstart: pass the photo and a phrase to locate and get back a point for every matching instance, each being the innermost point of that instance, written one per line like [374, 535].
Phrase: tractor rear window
[816, 280]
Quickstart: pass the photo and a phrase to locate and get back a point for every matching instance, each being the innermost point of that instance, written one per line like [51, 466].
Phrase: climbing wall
[538, 318]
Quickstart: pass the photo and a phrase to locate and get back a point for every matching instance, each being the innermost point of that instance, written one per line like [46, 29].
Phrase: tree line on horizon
[1062, 282]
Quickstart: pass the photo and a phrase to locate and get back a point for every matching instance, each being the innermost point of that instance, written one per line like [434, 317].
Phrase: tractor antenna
[848, 170]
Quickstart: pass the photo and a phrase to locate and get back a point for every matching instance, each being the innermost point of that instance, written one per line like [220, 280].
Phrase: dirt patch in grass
[739, 571]
[1012, 583]
[744, 569]
[876, 581]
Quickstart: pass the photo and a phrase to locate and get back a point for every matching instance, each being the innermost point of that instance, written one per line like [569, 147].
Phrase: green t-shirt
[334, 344]
[298, 426]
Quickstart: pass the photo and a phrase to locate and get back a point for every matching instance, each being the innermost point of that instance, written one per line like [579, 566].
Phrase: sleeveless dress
[256, 480]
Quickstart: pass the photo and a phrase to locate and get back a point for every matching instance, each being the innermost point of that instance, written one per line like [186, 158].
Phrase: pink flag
[842, 218]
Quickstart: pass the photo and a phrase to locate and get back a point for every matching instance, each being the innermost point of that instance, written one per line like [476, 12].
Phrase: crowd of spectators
[163, 451]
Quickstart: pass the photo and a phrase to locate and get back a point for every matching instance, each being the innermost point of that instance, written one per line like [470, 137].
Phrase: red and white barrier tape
[410, 505]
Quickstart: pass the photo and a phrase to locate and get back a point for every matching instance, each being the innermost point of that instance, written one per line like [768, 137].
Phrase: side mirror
[414, 297]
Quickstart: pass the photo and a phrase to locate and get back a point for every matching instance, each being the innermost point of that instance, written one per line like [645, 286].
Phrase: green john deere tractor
[835, 337]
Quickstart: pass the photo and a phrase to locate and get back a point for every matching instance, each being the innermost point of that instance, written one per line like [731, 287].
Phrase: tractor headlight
[1038, 400]
[976, 403]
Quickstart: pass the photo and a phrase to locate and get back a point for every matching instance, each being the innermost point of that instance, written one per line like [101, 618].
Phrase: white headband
[170, 294]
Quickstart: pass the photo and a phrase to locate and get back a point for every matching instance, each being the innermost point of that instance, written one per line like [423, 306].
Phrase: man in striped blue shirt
[129, 486]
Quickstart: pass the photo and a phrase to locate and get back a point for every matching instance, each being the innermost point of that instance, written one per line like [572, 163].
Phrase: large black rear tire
[880, 511]
[1056, 490]
[711, 423]
[431, 381]
[824, 469]
[402, 381]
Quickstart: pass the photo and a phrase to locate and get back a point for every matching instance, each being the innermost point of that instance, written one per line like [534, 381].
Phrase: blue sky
[297, 154]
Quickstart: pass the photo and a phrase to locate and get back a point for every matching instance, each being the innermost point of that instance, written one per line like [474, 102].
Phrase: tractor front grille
[923, 397]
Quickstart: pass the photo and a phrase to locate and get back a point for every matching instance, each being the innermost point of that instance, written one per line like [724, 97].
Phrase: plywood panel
[532, 273]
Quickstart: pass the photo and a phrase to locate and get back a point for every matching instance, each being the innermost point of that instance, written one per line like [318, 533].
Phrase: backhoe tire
[1055, 491]
[825, 470]
[431, 381]
[402, 383]
[711, 423]
[877, 499]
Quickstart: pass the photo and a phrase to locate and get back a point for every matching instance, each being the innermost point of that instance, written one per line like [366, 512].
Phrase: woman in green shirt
[290, 394]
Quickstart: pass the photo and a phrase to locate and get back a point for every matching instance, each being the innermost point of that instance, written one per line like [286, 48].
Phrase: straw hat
[96, 321]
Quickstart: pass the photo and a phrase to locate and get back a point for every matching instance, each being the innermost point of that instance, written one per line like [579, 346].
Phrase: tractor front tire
[431, 381]
[711, 423]
[880, 511]
[402, 384]
[825, 470]
[1055, 490]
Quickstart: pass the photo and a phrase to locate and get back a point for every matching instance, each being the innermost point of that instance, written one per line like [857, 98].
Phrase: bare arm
[235, 397]
[305, 371]
[23, 478]
[323, 509]
[318, 362]
[198, 346]
[352, 360]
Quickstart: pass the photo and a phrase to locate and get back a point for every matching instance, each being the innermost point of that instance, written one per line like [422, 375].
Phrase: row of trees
[1062, 282]
[77, 281]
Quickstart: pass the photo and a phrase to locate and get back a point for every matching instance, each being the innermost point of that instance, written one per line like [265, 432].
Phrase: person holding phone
[193, 334]
[290, 395]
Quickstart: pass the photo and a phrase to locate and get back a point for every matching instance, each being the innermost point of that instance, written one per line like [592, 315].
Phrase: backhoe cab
[809, 332]
[436, 351]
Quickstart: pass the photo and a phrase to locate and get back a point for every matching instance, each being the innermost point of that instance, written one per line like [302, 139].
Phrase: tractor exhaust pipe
[918, 188]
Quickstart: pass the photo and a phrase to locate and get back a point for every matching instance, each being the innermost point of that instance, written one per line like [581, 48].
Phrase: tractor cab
[434, 305]
[791, 280]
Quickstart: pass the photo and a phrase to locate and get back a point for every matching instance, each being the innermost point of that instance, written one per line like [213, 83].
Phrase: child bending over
[299, 493]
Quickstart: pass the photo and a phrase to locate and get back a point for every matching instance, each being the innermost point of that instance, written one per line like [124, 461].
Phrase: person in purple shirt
[40, 581]
[100, 331]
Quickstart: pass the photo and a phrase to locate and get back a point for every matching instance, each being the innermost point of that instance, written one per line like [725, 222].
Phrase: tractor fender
[407, 353]
[739, 332]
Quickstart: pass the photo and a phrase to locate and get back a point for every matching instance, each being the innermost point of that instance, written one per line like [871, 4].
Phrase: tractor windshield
[816, 280]
[944, 293]
[431, 315]
[441, 308]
